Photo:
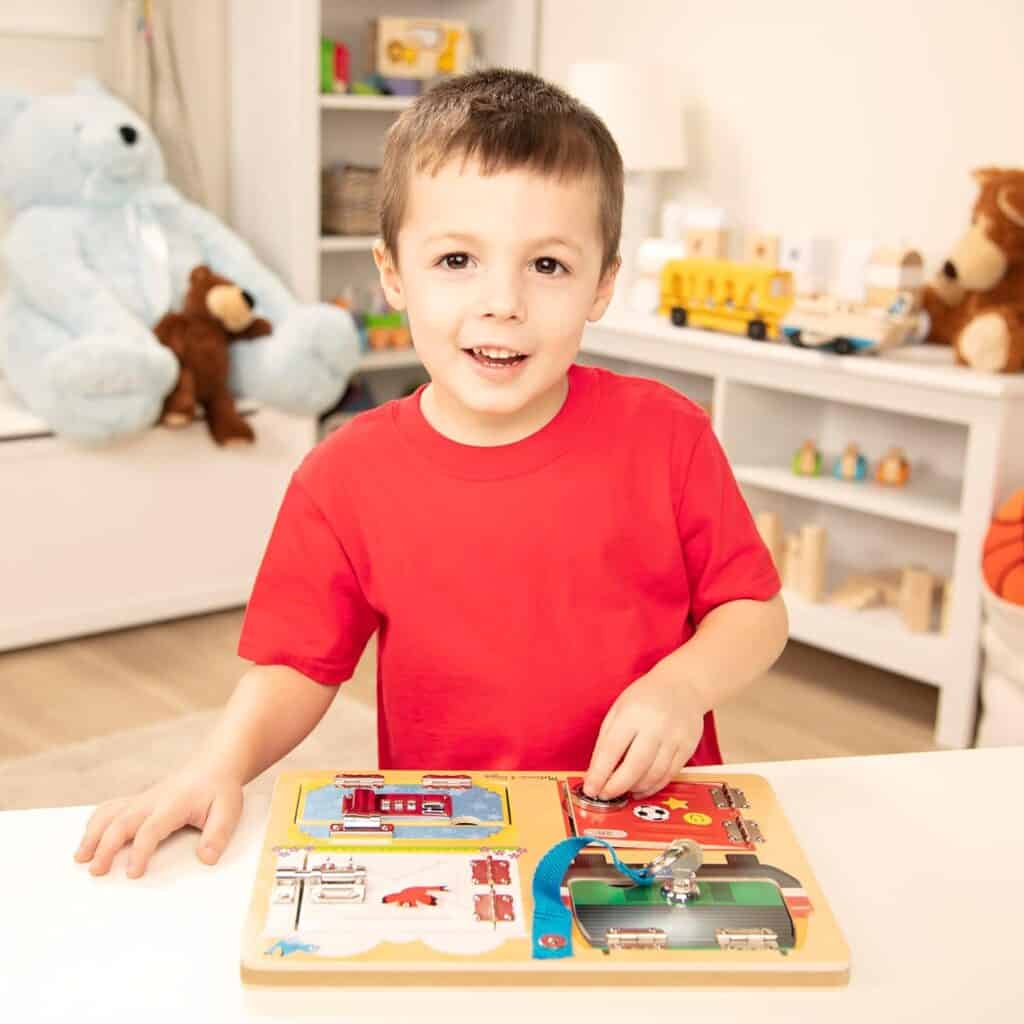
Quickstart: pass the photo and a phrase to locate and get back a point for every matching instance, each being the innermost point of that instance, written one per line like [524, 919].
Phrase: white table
[932, 916]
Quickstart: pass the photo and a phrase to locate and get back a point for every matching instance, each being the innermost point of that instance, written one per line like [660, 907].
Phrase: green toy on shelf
[807, 460]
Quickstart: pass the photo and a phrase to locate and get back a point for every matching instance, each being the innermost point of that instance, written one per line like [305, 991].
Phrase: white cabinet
[960, 430]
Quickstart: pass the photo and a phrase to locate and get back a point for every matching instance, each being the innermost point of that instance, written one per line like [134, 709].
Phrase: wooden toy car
[719, 295]
[831, 324]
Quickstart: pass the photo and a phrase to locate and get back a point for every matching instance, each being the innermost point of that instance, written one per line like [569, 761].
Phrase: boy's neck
[466, 427]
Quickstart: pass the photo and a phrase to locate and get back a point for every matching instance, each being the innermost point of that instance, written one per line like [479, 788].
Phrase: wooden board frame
[535, 815]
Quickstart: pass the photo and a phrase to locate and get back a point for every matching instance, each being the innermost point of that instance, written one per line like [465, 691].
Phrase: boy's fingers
[94, 829]
[634, 767]
[153, 831]
[607, 754]
[658, 774]
[220, 824]
[118, 832]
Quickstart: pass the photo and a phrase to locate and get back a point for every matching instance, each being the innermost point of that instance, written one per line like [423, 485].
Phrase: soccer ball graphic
[651, 812]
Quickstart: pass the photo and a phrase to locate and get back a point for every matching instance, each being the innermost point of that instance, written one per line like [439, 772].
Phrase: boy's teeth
[496, 353]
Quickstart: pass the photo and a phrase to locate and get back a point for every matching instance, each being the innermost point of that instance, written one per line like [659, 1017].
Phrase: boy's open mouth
[495, 357]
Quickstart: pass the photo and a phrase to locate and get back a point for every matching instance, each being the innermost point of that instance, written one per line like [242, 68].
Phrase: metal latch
[635, 938]
[747, 938]
[728, 796]
[346, 884]
[743, 830]
[329, 884]
[677, 866]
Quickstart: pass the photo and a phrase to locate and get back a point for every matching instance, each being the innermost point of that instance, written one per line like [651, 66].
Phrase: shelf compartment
[875, 635]
[924, 501]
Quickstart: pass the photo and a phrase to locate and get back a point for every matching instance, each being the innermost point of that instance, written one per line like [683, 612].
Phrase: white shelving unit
[283, 131]
[961, 431]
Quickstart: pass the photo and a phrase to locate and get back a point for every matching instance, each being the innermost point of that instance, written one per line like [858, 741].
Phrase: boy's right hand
[191, 798]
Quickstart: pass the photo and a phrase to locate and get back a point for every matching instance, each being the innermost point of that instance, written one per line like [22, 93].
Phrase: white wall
[47, 45]
[846, 118]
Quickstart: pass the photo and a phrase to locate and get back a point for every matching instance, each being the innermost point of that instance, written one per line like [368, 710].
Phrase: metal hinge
[727, 796]
[491, 872]
[635, 938]
[743, 830]
[493, 906]
[747, 938]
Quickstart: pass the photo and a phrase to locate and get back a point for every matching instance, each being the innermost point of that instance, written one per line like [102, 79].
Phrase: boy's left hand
[652, 728]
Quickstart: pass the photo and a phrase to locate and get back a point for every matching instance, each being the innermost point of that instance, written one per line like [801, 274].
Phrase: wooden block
[947, 605]
[915, 603]
[761, 249]
[887, 581]
[707, 243]
[856, 594]
[769, 526]
[791, 562]
[812, 562]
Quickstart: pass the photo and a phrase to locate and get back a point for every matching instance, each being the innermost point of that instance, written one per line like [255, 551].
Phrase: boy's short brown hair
[506, 119]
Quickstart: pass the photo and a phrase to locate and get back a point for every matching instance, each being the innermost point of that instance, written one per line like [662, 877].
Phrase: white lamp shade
[642, 107]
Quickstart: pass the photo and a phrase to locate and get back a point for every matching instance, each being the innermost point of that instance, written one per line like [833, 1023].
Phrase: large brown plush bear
[217, 312]
[976, 303]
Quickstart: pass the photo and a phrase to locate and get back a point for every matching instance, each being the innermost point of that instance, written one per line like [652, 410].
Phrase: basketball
[1002, 562]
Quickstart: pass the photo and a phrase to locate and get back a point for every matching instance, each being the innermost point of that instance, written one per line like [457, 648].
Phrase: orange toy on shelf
[1002, 562]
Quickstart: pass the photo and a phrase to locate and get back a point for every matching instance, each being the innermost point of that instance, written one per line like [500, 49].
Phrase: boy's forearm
[735, 644]
[272, 709]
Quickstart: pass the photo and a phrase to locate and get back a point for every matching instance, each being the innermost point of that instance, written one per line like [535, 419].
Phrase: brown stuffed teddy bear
[217, 312]
[976, 302]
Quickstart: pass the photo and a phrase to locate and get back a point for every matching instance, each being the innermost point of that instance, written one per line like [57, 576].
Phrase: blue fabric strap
[552, 920]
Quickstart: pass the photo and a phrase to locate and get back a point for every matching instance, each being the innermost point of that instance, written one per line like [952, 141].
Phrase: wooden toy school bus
[739, 298]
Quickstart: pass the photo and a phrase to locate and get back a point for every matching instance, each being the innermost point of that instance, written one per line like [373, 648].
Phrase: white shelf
[638, 337]
[353, 101]
[926, 502]
[875, 635]
[357, 102]
[389, 359]
[347, 243]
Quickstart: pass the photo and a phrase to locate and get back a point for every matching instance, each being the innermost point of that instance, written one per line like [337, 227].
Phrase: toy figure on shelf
[894, 468]
[807, 461]
[851, 465]
[889, 314]
[719, 295]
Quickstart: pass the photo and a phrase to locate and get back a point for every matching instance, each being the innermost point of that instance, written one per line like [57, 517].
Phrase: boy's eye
[549, 266]
[455, 260]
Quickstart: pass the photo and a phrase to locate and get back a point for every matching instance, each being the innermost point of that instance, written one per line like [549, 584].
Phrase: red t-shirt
[518, 589]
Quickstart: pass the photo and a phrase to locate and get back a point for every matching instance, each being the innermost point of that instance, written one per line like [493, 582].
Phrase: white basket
[1006, 620]
[1002, 717]
[1002, 684]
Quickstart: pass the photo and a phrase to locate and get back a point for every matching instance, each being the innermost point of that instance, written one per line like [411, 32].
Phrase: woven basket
[350, 200]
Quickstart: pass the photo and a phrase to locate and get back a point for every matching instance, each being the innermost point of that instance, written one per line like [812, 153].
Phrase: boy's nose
[503, 298]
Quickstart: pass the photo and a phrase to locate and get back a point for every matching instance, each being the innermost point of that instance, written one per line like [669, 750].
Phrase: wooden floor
[812, 704]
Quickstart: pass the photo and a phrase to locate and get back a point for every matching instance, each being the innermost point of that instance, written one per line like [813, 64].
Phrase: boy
[557, 558]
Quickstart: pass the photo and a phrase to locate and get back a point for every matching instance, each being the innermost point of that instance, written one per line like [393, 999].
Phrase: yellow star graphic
[672, 804]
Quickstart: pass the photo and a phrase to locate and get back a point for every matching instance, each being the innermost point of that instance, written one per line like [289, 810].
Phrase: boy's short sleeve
[726, 560]
[307, 609]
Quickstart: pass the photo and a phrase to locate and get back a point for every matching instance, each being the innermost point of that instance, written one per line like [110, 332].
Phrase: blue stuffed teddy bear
[100, 248]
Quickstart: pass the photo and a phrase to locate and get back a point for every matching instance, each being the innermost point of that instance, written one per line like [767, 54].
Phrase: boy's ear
[605, 290]
[389, 278]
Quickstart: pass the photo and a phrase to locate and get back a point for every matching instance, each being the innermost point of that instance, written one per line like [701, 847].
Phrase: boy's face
[510, 261]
